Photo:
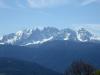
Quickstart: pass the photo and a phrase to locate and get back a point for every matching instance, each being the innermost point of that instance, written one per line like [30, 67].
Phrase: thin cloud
[51, 3]
[8, 4]
[45, 3]
[19, 4]
[87, 2]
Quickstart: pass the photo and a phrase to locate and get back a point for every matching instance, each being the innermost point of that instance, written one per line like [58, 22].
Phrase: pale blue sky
[19, 14]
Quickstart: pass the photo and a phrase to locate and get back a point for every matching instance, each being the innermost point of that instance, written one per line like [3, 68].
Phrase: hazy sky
[19, 14]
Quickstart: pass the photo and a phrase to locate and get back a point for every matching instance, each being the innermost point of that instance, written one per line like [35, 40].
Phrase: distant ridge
[10, 66]
[38, 36]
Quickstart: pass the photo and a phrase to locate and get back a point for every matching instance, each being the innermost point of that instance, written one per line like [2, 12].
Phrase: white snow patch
[2, 43]
[78, 37]
[27, 44]
[28, 32]
[1, 38]
[39, 42]
[45, 40]
[36, 42]
[11, 41]
[67, 37]
[19, 34]
[95, 38]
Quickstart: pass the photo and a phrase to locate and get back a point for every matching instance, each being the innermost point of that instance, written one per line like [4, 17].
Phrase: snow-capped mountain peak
[24, 34]
[84, 35]
[19, 34]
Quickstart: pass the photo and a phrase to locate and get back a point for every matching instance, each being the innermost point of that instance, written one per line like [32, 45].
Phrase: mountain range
[38, 36]
[54, 49]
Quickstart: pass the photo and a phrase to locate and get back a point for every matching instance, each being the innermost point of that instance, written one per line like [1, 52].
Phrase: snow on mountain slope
[37, 36]
[84, 35]
[1, 38]
[39, 42]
